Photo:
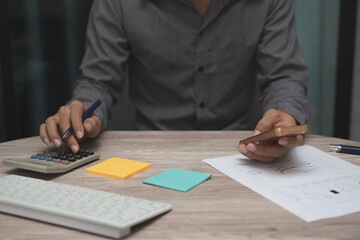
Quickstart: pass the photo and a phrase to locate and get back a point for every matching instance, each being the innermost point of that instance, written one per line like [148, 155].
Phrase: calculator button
[55, 160]
[71, 159]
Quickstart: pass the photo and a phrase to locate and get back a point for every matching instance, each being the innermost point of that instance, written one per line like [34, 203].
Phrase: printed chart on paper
[306, 181]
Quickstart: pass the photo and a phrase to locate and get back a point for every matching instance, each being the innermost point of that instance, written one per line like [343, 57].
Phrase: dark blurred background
[42, 43]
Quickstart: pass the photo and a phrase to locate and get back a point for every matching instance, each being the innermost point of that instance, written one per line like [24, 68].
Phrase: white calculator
[53, 160]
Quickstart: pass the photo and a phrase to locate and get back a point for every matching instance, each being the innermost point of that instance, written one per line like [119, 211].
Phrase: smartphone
[277, 132]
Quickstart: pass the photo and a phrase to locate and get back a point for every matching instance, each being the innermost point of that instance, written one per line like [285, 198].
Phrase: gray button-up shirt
[185, 72]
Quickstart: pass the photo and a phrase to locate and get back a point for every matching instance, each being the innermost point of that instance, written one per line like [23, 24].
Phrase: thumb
[269, 120]
[92, 126]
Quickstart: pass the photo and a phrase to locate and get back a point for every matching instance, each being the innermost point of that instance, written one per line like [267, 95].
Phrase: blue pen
[86, 114]
[344, 149]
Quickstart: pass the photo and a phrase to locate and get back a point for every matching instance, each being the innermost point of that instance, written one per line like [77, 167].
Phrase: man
[192, 64]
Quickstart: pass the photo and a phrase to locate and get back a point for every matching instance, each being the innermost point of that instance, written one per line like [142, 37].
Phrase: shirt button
[200, 69]
[201, 104]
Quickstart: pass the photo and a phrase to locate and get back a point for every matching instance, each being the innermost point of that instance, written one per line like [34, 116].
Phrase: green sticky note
[176, 179]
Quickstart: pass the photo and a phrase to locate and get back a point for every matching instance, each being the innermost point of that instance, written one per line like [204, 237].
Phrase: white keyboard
[94, 211]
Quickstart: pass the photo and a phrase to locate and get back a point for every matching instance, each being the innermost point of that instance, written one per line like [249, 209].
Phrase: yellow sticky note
[120, 168]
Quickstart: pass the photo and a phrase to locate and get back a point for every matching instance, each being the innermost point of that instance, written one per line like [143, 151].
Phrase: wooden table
[220, 208]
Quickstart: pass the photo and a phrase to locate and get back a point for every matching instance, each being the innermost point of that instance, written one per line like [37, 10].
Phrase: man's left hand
[267, 152]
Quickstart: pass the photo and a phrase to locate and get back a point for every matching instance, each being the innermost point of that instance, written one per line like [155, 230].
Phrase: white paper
[306, 181]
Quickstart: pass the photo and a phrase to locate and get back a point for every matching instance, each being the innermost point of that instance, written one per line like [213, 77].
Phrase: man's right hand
[70, 115]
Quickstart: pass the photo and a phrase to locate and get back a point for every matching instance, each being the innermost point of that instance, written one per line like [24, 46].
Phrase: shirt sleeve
[103, 68]
[282, 71]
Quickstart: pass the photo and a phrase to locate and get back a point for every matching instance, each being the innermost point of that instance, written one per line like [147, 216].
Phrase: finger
[264, 159]
[290, 142]
[269, 119]
[256, 132]
[43, 134]
[254, 156]
[273, 118]
[72, 142]
[76, 112]
[64, 118]
[92, 126]
[267, 150]
[52, 129]
[263, 152]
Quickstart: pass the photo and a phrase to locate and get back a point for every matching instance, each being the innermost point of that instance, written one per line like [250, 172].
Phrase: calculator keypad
[61, 156]
[53, 160]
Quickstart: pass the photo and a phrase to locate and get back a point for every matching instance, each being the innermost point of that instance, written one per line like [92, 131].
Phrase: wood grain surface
[220, 208]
